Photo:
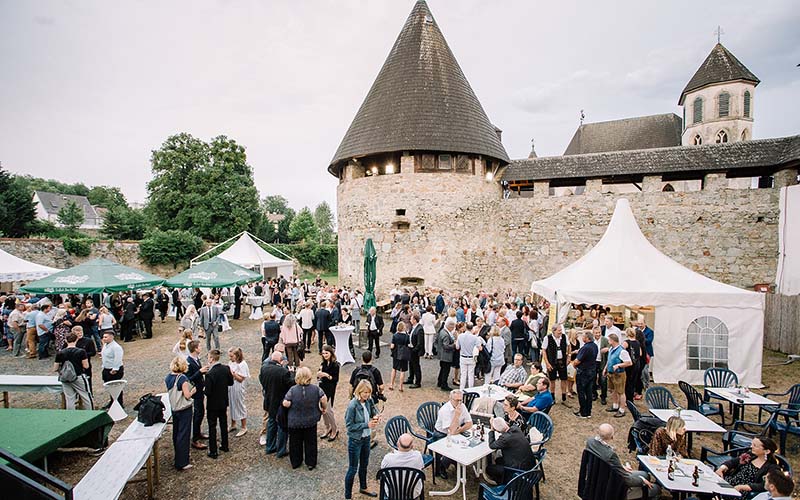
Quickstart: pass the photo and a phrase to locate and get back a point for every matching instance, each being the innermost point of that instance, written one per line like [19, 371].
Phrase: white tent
[699, 322]
[247, 253]
[13, 268]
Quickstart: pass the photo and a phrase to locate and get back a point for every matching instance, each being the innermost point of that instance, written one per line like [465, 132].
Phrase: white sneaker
[242, 433]
[262, 440]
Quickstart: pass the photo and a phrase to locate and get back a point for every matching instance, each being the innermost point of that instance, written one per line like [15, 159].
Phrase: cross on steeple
[719, 32]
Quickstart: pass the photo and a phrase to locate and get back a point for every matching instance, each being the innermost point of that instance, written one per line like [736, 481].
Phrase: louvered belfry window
[724, 104]
[697, 110]
[747, 104]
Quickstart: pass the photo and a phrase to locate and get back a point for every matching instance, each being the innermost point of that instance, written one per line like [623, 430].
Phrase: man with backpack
[71, 364]
[371, 373]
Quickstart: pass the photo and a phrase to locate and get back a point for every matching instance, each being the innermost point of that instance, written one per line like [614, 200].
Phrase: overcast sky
[90, 88]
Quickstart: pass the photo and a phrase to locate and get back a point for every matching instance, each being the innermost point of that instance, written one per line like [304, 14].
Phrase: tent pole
[191, 262]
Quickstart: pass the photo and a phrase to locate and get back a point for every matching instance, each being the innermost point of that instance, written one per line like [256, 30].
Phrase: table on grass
[33, 434]
[464, 452]
[708, 483]
[695, 422]
[30, 383]
[740, 400]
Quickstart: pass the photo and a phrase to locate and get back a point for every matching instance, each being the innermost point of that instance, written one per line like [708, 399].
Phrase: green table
[32, 434]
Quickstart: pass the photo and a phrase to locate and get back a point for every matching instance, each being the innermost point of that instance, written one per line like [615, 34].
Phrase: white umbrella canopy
[12, 268]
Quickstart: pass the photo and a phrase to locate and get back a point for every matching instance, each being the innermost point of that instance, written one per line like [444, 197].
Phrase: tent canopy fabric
[626, 269]
[247, 253]
[215, 272]
[95, 276]
[12, 268]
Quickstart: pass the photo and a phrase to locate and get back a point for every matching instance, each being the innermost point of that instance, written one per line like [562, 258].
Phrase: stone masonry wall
[466, 236]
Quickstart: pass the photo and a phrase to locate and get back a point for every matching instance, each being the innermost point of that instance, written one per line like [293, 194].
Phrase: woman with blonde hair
[306, 403]
[361, 419]
[190, 320]
[182, 347]
[573, 346]
[674, 435]
[292, 338]
[240, 372]
[105, 320]
[180, 392]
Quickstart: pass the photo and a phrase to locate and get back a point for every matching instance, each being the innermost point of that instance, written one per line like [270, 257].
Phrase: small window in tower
[724, 104]
[698, 110]
[400, 212]
[668, 188]
[697, 140]
[722, 137]
[445, 162]
[747, 104]
[744, 135]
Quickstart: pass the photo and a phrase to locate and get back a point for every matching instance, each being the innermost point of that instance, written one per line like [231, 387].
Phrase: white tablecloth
[695, 422]
[750, 398]
[498, 393]
[708, 482]
[342, 336]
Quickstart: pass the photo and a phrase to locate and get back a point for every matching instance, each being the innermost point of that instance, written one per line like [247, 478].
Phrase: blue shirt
[587, 356]
[648, 340]
[541, 401]
[43, 320]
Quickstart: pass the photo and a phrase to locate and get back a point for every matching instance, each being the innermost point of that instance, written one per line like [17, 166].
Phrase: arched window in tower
[697, 110]
[724, 104]
[668, 188]
[722, 137]
[747, 104]
[697, 140]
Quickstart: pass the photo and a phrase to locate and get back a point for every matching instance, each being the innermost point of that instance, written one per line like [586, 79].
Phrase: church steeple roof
[420, 100]
[720, 66]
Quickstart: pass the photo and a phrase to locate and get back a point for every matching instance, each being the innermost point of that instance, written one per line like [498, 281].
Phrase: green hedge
[169, 247]
[77, 245]
[311, 254]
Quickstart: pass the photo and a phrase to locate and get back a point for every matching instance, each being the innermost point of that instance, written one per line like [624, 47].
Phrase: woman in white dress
[240, 372]
[190, 320]
[429, 328]
[181, 348]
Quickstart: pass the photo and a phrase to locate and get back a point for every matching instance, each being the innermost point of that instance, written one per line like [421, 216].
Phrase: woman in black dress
[401, 354]
[328, 376]
[746, 472]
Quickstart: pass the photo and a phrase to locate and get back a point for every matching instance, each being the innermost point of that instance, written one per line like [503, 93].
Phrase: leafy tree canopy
[323, 217]
[123, 223]
[17, 211]
[303, 228]
[71, 216]
[169, 247]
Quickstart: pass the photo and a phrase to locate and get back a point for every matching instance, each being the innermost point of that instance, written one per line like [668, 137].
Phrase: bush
[324, 257]
[77, 245]
[169, 247]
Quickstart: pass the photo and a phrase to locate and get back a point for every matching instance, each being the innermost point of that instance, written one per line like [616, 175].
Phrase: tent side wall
[744, 343]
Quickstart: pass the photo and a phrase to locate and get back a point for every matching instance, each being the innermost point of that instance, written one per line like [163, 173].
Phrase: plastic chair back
[394, 428]
[543, 424]
[401, 483]
[597, 481]
[720, 377]
[642, 438]
[519, 488]
[659, 398]
[632, 408]
[427, 413]
[469, 398]
[693, 398]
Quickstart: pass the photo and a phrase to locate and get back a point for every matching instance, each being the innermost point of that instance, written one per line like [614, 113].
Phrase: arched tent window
[706, 344]
[668, 188]
[724, 104]
[746, 104]
[697, 140]
[697, 110]
[722, 137]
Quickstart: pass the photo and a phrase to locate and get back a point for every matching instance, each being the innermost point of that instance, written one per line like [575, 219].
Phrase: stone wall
[467, 236]
[51, 253]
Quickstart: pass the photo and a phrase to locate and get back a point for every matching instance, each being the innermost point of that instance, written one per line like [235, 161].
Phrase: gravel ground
[246, 472]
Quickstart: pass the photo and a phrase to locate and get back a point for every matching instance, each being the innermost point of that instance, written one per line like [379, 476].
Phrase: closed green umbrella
[95, 276]
[370, 257]
[213, 273]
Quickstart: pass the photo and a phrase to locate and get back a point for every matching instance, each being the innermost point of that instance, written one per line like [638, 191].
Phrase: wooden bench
[135, 448]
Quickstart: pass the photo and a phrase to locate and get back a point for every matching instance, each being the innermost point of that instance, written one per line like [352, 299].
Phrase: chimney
[499, 134]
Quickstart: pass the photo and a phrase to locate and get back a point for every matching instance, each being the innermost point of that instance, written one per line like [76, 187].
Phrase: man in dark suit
[600, 445]
[176, 301]
[275, 382]
[322, 322]
[146, 314]
[440, 303]
[237, 302]
[218, 379]
[517, 453]
[195, 375]
[128, 319]
[417, 351]
[374, 331]
[270, 335]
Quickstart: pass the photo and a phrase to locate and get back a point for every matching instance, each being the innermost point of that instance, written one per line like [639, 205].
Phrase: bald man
[405, 456]
[600, 445]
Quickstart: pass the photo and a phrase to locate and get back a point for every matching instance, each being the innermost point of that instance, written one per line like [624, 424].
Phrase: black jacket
[322, 320]
[378, 323]
[275, 383]
[517, 452]
[130, 312]
[418, 340]
[146, 312]
[195, 376]
[218, 379]
[272, 331]
[237, 295]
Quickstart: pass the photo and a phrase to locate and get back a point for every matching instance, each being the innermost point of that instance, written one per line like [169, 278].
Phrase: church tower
[718, 101]
[419, 155]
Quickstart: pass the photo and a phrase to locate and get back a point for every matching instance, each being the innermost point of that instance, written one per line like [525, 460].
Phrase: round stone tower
[718, 101]
[417, 169]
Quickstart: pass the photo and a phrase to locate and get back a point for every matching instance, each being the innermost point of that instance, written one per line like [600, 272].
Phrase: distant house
[48, 205]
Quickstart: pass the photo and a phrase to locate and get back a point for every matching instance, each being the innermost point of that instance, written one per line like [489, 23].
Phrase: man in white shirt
[111, 356]
[779, 486]
[466, 344]
[405, 456]
[16, 323]
[611, 327]
[453, 419]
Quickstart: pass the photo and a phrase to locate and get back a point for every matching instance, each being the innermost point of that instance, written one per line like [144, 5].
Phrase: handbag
[177, 400]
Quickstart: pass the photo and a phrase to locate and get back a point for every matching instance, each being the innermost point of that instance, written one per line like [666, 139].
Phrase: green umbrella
[370, 257]
[95, 276]
[213, 273]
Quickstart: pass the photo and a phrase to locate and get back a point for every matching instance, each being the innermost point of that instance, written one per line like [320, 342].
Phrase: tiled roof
[641, 132]
[53, 202]
[420, 100]
[720, 66]
[762, 153]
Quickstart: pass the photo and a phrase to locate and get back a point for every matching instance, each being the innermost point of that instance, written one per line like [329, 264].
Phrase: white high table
[30, 383]
[256, 303]
[342, 335]
[695, 422]
[708, 482]
[496, 392]
[740, 400]
[456, 449]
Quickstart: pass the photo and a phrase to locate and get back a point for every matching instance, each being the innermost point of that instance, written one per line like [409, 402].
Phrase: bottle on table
[670, 454]
[671, 471]
[696, 476]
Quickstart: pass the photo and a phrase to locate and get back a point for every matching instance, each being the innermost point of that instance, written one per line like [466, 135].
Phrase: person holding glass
[361, 418]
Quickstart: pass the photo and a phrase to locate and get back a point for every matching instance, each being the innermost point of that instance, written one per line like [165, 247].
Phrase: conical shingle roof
[420, 100]
[720, 66]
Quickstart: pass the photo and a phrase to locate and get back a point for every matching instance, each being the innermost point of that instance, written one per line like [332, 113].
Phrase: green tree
[323, 217]
[106, 197]
[276, 204]
[123, 223]
[17, 210]
[71, 216]
[169, 247]
[204, 188]
[303, 228]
